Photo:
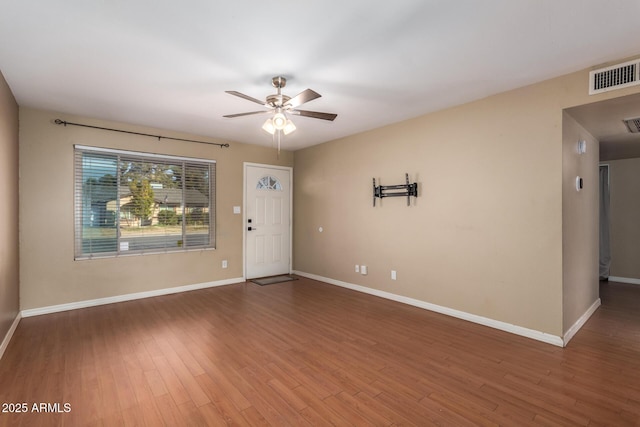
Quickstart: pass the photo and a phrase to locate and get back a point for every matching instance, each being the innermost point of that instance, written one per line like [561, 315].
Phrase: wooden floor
[307, 353]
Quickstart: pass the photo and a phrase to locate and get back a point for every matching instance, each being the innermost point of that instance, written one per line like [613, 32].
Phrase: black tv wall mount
[402, 190]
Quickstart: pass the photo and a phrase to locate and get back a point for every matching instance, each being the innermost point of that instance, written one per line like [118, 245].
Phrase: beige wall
[580, 238]
[9, 272]
[49, 274]
[485, 235]
[625, 212]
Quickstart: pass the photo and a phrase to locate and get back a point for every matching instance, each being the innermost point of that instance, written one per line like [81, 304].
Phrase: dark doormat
[263, 281]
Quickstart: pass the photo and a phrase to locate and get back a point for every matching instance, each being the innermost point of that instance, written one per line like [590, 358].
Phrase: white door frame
[244, 212]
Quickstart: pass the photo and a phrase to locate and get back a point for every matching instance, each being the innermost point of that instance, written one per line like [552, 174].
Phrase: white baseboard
[7, 337]
[581, 321]
[624, 280]
[496, 324]
[126, 297]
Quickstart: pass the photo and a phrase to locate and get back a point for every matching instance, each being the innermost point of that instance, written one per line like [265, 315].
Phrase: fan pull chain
[273, 141]
[279, 133]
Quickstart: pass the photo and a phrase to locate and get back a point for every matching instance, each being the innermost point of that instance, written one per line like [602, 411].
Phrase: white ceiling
[167, 64]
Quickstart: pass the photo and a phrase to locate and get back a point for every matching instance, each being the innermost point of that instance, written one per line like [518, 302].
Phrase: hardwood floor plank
[226, 380]
[131, 416]
[317, 409]
[470, 395]
[253, 417]
[287, 394]
[351, 414]
[182, 372]
[370, 413]
[454, 417]
[474, 413]
[353, 381]
[124, 390]
[183, 352]
[190, 415]
[317, 379]
[529, 406]
[171, 381]
[229, 413]
[211, 415]
[414, 385]
[169, 411]
[396, 418]
[155, 382]
[411, 409]
[548, 395]
[224, 406]
[600, 413]
[270, 402]
[250, 397]
[277, 372]
[140, 385]
[387, 382]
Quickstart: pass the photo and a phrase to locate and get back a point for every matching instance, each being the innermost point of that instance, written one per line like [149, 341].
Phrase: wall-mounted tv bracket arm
[403, 190]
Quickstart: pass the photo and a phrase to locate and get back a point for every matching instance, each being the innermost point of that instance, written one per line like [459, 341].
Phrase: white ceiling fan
[280, 105]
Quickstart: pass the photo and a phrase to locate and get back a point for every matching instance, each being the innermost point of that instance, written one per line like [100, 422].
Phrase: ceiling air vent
[633, 125]
[614, 77]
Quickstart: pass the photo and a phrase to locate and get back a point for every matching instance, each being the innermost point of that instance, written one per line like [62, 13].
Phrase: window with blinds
[132, 203]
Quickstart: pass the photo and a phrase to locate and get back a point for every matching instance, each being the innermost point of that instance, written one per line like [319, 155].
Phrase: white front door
[267, 220]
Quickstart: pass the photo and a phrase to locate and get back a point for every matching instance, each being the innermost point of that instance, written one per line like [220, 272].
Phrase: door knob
[251, 229]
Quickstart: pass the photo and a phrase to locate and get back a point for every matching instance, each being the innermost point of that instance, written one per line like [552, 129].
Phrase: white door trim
[244, 213]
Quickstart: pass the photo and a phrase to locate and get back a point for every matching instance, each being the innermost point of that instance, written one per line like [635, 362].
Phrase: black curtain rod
[62, 122]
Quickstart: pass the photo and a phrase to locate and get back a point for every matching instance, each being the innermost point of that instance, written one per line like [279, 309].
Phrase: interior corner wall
[9, 264]
[49, 274]
[485, 235]
[624, 186]
[580, 215]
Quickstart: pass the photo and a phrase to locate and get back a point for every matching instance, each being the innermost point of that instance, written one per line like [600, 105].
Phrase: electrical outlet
[225, 264]
[393, 275]
[363, 270]
[357, 268]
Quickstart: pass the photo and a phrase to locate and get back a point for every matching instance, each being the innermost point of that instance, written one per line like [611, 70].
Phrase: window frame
[79, 214]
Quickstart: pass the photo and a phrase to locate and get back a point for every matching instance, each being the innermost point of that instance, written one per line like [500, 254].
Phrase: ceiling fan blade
[302, 97]
[247, 97]
[231, 116]
[314, 114]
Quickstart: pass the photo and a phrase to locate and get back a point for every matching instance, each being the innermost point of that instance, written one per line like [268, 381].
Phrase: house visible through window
[129, 203]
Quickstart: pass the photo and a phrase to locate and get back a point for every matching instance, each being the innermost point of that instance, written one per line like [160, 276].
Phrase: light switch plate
[236, 210]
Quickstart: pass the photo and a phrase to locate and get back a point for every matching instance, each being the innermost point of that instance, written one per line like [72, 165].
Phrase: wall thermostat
[582, 146]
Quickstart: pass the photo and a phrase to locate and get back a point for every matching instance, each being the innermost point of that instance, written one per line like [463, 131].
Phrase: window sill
[131, 254]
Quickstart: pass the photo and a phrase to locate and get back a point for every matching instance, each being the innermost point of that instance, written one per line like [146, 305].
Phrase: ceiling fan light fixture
[269, 127]
[279, 121]
[289, 127]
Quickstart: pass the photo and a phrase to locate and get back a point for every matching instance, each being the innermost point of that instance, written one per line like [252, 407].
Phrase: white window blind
[131, 203]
